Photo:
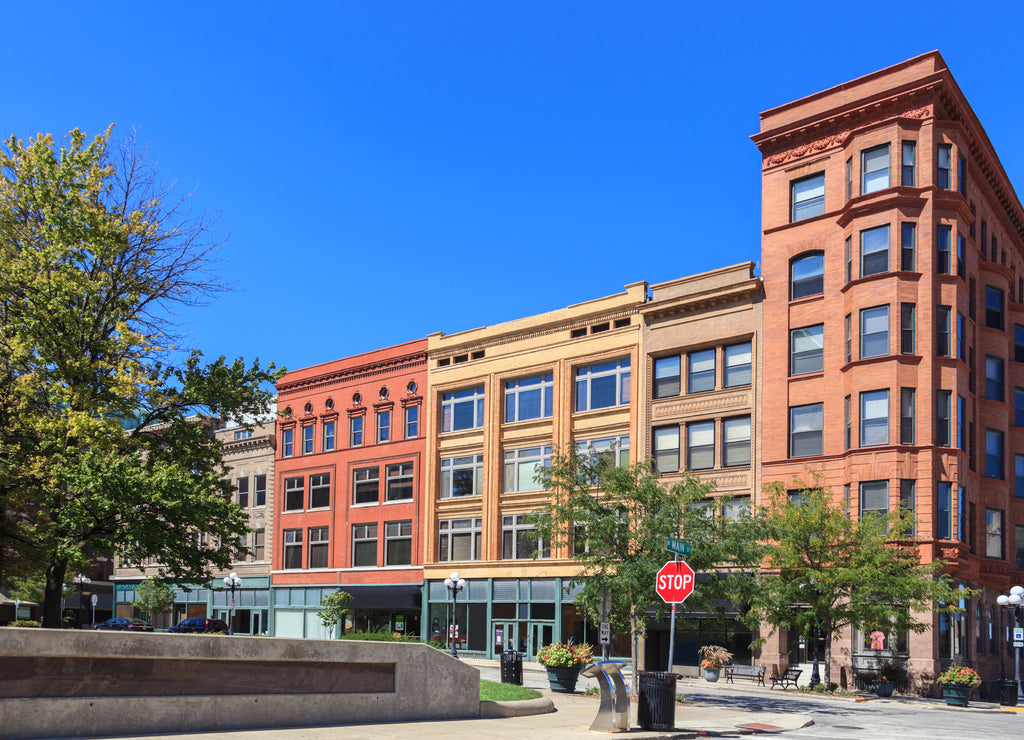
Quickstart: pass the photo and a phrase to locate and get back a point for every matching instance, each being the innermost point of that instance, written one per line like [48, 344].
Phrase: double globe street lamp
[1014, 601]
[454, 584]
[232, 581]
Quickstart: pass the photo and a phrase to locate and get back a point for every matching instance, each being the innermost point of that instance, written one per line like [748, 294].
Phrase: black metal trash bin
[1008, 693]
[656, 709]
[512, 667]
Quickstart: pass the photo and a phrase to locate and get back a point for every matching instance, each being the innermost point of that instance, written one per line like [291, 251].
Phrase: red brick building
[894, 335]
[350, 491]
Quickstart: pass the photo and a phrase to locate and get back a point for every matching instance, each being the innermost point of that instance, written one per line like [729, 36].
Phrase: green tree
[826, 571]
[153, 597]
[95, 255]
[333, 608]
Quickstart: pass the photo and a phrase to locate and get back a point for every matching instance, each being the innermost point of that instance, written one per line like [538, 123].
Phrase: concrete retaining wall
[70, 683]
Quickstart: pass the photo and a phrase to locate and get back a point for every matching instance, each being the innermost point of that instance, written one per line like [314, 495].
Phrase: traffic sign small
[1018, 634]
[605, 637]
[674, 582]
[677, 546]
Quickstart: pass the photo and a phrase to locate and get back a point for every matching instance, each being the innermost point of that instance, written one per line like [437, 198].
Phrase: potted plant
[712, 658]
[885, 681]
[958, 682]
[563, 662]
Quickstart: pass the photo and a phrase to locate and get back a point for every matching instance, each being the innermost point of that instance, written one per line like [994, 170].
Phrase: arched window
[807, 275]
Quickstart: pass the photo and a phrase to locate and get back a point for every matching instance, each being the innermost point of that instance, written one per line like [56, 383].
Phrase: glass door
[504, 637]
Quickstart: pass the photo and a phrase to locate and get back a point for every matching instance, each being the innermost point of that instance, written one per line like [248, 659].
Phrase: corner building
[894, 338]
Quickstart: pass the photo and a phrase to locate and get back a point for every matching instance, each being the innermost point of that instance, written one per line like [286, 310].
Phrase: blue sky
[385, 170]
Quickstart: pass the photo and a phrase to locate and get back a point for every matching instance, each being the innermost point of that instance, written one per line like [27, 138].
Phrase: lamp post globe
[1013, 602]
[232, 581]
[81, 580]
[454, 584]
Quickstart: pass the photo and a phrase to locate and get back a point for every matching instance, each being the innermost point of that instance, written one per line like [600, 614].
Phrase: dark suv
[200, 624]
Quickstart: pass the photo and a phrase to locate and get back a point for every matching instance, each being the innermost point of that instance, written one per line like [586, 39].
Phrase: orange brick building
[350, 491]
[894, 336]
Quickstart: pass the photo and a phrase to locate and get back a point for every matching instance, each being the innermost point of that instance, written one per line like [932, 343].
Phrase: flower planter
[956, 696]
[712, 674]
[883, 688]
[563, 679]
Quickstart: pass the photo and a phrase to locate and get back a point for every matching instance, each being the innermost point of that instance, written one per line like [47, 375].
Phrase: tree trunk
[632, 650]
[54, 595]
[828, 657]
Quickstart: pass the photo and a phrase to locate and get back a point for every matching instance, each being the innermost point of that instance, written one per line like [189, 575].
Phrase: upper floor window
[609, 450]
[874, 498]
[993, 453]
[807, 275]
[287, 442]
[529, 398]
[307, 439]
[944, 242]
[523, 466]
[943, 344]
[943, 175]
[319, 546]
[961, 174]
[364, 545]
[412, 422]
[701, 376]
[666, 376]
[462, 410]
[994, 547]
[243, 434]
[462, 476]
[737, 441]
[294, 494]
[807, 196]
[993, 378]
[459, 539]
[519, 539]
[242, 484]
[355, 431]
[602, 386]
[806, 430]
[700, 445]
[737, 365]
[260, 490]
[398, 543]
[874, 169]
[807, 350]
[292, 549]
[874, 332]
[384, 426]
[909, 157]
[666, 449]
[328, 436]
[874, 250]
[993, 308]
[908, 240]
[366, 488]
[1018, 343]
[319, 490]
[399, 481]
[874, 418]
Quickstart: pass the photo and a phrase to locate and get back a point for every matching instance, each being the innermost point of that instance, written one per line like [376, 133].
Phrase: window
[908, 503]
[874, 251]
[994, 533]
[462, 476]
[807, 275]
[519, 540]
[383, 426]
[701, 375]
[412, 422]
[874, 418]
[1018, 476]
[807, 350]
[942, 403]
[319, 542]
[961, 421]
[458, 539]
[942, 176]
[259, 540]
[287, 442]
[807, 196]
[602, 386]
[292, 549]
[366, 489]
[364, 545]
[874, 169]
[993, 453]
[242, 497]
[398, 482]
[462, 410]
[849, 178]
[294, 494]
[530, 398]
[667, 377]
[260, 490]
[307, 439]
[319, 490]
[737, 365]
[1018, 407]
[961, 266]
[398, 543]
[993, 378]
[944, 520]
[847, 424]
[328, 436]
[907, 321]
[666, 449]
[874, 332]
[737, 441]
[608, 451]
[944, 237]
[942, 343]
[908, 246]
[522, 467]
[960, 338]
[848, 341]
[993, 308]
[1018, 343]
[848, 253]
[700, 445]
[355, 431]
[909, 155]
[806, 426]
[243, 434]
[908, 398]
[961, 174]
[874, 498]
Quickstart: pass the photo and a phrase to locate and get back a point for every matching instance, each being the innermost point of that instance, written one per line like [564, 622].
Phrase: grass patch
[493, 691]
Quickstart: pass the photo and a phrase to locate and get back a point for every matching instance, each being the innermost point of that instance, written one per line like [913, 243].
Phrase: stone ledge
[498, 709]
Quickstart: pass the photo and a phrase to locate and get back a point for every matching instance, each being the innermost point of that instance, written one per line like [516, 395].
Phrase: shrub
[565, 655]
[960, 676]
[713, 656]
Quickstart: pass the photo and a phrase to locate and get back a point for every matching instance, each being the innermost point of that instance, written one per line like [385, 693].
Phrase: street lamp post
[81, 581]
[454, 584]
[1014, 602]
[232, 581]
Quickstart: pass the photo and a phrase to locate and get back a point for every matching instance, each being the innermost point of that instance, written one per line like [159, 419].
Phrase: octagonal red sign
[674, 582]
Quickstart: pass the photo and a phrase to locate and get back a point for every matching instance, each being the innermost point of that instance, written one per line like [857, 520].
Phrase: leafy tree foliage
[95, 255]
[334, 607]
[153, 597]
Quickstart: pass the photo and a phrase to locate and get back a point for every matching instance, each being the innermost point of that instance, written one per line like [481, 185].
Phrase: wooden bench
[750, 672]
[788, 678]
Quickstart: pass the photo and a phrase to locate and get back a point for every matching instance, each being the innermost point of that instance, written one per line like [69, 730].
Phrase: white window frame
[451, 467]
[516, 389]
[874, 418]
[456, 401]
[292, 541]
[516, 535]
[587, 375]
[615, 449]
[322, 543]
[362, 478]
[401, 476]
[396, 533]
[736, 437]
[450, 529]
[522, 462]
[362, 534]
[318, 482]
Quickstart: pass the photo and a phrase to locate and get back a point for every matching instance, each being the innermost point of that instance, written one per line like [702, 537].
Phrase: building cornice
[322, 381]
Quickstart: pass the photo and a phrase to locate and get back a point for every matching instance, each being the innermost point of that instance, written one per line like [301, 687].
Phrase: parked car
[200, 624]
[123, 623]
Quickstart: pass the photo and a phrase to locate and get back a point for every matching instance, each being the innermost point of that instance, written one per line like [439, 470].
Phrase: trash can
[1008, 693]
[656, 709]
[512, 667]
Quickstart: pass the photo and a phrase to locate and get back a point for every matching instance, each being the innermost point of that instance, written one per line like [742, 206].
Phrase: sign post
[674, 584]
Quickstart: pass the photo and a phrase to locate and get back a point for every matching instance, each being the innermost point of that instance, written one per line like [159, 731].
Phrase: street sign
[674, 582]
[605, 637]
[677, 546]
[1018, 644]
[1018, 634]
[94, 599]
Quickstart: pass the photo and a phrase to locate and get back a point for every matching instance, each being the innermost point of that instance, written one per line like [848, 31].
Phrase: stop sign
[674, 582]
